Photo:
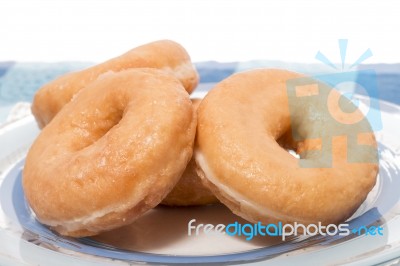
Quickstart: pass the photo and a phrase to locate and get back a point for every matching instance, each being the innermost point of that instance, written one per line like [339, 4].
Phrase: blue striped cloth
[19, 81]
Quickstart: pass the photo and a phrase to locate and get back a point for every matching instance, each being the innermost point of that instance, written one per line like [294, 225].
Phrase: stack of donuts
[124, 136]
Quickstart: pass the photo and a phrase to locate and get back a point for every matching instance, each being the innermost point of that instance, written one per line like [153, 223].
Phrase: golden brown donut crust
[165, 55]
[240, 160]
[190, 191]
[111, 154]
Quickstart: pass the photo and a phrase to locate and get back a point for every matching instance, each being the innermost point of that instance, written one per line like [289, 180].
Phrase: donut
[165, 54]
[247, 124]
[190, 191]
[111, 154]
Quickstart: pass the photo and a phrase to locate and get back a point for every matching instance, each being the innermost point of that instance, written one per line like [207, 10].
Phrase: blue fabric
[19, 81]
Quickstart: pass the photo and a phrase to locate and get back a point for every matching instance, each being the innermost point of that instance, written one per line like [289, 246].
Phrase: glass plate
[161, 235]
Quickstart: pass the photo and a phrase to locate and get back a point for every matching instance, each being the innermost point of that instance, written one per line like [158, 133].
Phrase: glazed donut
[111, 154]
[190, 191]
[240, 122]
[166, 55]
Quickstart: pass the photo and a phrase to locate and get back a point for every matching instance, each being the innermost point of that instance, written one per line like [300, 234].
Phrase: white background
[210, 30]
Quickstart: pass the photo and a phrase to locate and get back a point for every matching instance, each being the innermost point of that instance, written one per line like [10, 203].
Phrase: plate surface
[161, 236]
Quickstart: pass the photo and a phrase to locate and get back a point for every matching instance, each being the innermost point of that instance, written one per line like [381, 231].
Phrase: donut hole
[92, 126]
[287, 143]
[107, 124]
[293, 153]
